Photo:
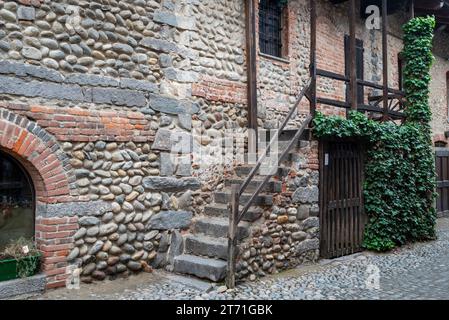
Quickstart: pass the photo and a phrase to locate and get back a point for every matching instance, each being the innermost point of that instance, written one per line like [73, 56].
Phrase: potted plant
[20, 259]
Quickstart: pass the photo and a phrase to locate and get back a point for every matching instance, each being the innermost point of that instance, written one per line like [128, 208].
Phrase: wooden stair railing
[235, 215]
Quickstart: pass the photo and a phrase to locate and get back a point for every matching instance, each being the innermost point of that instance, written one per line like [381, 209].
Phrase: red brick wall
[54, 237]
[214, 89]
[80, 125]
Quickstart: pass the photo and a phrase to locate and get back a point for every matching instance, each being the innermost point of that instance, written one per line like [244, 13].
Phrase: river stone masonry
[287, 234]
[135, 94]
[112, 105]
[144, 214]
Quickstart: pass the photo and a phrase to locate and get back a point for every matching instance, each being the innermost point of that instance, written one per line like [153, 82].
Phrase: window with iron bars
[270, 27]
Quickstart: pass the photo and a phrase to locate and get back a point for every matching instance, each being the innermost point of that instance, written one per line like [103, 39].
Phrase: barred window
[270, 27]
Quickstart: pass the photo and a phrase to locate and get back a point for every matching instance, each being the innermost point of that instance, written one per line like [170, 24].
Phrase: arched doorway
[16, 201]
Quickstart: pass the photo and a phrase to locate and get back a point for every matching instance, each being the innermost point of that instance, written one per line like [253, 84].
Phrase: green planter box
[8, 268]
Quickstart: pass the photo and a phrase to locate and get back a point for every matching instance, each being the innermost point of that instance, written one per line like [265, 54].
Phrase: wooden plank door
[342, 217]
[442, 168]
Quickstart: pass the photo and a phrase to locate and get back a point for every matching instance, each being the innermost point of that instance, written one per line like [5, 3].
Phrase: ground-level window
[271, 27]
[16, 201]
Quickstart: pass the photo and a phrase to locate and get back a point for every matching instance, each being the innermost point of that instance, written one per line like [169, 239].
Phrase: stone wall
[112, 84]
[111, 106]
[439, 88]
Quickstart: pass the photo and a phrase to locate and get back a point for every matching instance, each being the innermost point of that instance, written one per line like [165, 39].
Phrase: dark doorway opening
[16, 201]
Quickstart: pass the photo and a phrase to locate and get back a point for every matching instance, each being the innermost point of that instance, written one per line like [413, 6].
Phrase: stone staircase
[205, 250]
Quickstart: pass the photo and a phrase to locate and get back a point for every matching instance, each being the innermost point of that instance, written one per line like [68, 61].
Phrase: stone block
[184, 166]
[180, 22]
[15, 86]
[27, 286]
[91, 80]
[23, 70]
[185, 121]
[168, 47]
[212, 269]
[26, 13]
[308, 245]
[70, 209]
[169, 184]
[132, 84]
[167, 166]
[180, 75]
[162, 141]
[170, 105]
[306, 195]
[167, 220]
[119, 97]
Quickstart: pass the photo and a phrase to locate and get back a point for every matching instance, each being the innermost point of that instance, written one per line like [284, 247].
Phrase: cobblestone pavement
[419, 271]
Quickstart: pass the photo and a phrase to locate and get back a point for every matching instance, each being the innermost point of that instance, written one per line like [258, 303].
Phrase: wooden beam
[385, 56]
[313, 62]
[352, 56]
[412, 9]
[232, 231]
[429, 4]
[251, 61]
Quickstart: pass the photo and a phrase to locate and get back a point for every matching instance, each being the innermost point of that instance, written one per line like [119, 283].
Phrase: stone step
[200, 267]
[222, 210]
[200, 245]
[271, 186]
[244, 170]
[218, 227]
[261, 200]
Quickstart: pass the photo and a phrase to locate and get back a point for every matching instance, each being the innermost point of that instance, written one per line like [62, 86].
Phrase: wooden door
[442, 168]
[342, 217]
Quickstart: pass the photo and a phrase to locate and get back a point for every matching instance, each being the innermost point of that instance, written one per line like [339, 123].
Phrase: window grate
[270, 27]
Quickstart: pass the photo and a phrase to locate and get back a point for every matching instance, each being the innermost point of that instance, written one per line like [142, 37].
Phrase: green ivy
[400, 167]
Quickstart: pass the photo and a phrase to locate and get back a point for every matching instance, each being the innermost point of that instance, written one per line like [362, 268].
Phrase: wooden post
[352, 56]
[385, 56]
[251, 66]
[313, 61]
[412, 9]
[233, 222]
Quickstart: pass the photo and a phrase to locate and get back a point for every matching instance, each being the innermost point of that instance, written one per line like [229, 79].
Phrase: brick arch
[39, 153]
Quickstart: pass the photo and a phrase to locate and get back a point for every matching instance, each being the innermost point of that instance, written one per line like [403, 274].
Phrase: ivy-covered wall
[400, 171]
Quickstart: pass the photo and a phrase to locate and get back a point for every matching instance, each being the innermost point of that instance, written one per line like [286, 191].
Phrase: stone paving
[418, 271]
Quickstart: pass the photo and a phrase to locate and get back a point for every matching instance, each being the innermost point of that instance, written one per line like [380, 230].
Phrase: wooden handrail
[274, 139]
[364, 83]
[235, 215]
[268, 176]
